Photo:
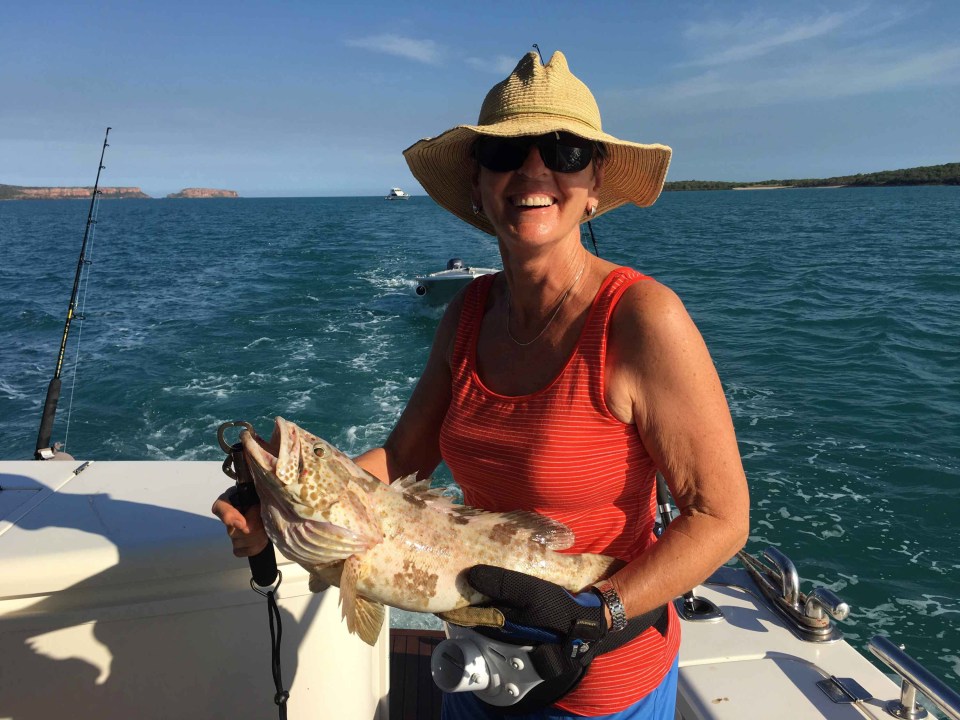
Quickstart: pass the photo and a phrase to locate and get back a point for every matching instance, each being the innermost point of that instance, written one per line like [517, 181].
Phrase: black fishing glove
[541, 612]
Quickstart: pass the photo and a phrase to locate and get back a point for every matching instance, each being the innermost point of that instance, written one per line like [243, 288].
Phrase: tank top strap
[592, 347]
[609, 294]
[468, 326]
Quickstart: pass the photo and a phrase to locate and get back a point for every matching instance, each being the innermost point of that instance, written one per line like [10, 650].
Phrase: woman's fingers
[245, 530]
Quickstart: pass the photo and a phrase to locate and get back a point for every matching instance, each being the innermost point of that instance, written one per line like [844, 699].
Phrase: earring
[477, 208]
[591, 211]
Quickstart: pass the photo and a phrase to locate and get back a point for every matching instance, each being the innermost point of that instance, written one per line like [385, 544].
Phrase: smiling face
[533, 204]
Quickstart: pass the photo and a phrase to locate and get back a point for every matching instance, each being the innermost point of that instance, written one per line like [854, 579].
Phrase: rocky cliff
[204, 193]
[16, 192]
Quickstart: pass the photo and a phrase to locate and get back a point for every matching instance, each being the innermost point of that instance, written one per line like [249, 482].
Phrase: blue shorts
[658, 705]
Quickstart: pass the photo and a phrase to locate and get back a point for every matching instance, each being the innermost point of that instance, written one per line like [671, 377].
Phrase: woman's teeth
[534, 201]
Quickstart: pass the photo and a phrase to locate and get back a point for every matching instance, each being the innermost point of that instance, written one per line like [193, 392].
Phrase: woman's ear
[594, 192]
[475, 178]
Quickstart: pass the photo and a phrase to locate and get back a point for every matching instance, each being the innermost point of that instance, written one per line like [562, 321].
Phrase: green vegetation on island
[948, 174]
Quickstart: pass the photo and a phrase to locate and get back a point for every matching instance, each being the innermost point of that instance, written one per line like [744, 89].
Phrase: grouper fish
[404, 544]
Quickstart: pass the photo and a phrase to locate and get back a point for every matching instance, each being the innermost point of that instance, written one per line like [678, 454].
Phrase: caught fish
[404, 545]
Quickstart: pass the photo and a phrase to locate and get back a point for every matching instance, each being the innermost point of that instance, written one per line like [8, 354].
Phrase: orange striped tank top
[560, 452]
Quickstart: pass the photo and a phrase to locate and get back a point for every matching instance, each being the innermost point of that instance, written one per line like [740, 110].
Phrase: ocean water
[833, 317]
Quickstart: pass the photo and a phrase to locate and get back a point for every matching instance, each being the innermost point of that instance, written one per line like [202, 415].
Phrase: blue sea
[833, 316]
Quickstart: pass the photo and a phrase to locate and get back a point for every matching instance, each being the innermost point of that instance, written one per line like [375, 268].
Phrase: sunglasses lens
[561, 152]
[568, 153]
[502, 154]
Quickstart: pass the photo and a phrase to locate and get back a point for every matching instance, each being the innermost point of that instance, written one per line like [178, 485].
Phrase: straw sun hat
[536, 99]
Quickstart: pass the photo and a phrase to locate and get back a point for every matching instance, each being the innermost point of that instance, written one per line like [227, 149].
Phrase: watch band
[618, 614]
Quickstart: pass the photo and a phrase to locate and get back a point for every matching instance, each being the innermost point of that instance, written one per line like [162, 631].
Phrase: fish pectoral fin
[471, 616]
[364, 617]
[319, 543]
[356, 503]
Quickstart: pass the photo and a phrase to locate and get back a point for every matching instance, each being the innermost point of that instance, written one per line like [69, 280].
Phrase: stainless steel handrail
[914, 677]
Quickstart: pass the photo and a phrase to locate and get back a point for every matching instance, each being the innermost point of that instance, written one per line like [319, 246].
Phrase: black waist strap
[558, 676]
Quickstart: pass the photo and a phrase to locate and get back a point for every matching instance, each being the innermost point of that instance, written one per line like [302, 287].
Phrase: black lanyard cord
[263, 566]
[276, 631]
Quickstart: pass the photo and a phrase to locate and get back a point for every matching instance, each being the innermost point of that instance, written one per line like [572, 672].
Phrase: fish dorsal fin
[410, 484]
[504, 527]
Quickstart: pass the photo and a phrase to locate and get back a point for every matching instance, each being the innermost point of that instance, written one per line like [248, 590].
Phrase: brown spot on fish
[504, 533]
[415, 582]
[458, 519]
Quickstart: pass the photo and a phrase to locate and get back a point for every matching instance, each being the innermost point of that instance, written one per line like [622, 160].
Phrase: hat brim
[633, 172]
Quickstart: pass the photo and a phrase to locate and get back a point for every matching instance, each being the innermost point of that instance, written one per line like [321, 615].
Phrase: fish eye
[319, 451]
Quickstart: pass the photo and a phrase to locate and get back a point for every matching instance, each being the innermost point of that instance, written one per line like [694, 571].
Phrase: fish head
[296, 469]
[311, 495]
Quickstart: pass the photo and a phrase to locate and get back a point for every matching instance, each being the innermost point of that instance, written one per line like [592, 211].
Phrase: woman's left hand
[539, 611]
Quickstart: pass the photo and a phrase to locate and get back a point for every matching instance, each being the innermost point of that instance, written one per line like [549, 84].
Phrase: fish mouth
[274, 465]
[272, 456]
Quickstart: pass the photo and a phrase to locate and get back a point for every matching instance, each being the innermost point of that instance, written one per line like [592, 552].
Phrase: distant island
[16, 192]
[203, 193]
[948, 174]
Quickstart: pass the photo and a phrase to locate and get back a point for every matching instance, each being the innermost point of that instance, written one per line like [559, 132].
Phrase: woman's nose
[533, 165]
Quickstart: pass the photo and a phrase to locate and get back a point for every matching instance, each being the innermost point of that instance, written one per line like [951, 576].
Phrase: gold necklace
[553, 315]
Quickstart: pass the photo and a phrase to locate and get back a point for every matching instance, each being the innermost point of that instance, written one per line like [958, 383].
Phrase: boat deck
[413, 694]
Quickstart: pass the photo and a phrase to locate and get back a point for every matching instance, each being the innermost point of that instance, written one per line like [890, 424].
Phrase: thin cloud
[425, 51]
[840, 74]
[499, 65]
[754, 36]
[831, 55]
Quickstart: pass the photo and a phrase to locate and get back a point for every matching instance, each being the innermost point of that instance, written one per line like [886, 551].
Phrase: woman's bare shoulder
[650, 309]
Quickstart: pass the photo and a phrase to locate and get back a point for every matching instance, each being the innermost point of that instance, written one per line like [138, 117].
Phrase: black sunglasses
[560, 151]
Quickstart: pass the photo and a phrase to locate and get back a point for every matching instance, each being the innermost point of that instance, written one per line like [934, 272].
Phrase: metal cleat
[807, 616]
[820, 601]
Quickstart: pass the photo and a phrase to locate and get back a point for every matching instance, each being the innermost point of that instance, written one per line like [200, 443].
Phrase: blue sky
[320, 98]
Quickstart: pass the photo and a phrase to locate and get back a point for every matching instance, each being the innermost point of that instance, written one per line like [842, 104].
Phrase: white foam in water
[836, 584]
[296, 401]
[216, 386]
[931, 605]
[11, 392]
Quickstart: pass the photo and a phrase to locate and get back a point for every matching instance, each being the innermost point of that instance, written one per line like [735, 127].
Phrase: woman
[563, 384]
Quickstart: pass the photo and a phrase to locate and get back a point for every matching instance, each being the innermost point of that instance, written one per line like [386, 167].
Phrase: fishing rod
[44, 450]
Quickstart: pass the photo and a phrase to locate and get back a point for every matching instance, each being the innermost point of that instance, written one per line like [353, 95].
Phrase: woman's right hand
[245, 530]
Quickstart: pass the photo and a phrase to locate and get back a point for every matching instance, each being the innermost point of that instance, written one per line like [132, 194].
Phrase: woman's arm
[661, 378]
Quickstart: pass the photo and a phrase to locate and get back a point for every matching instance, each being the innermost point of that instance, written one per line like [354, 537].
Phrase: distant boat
[439, 287]
[397, 194]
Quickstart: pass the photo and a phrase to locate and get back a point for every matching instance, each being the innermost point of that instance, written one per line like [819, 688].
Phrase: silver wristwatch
[618, 615]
